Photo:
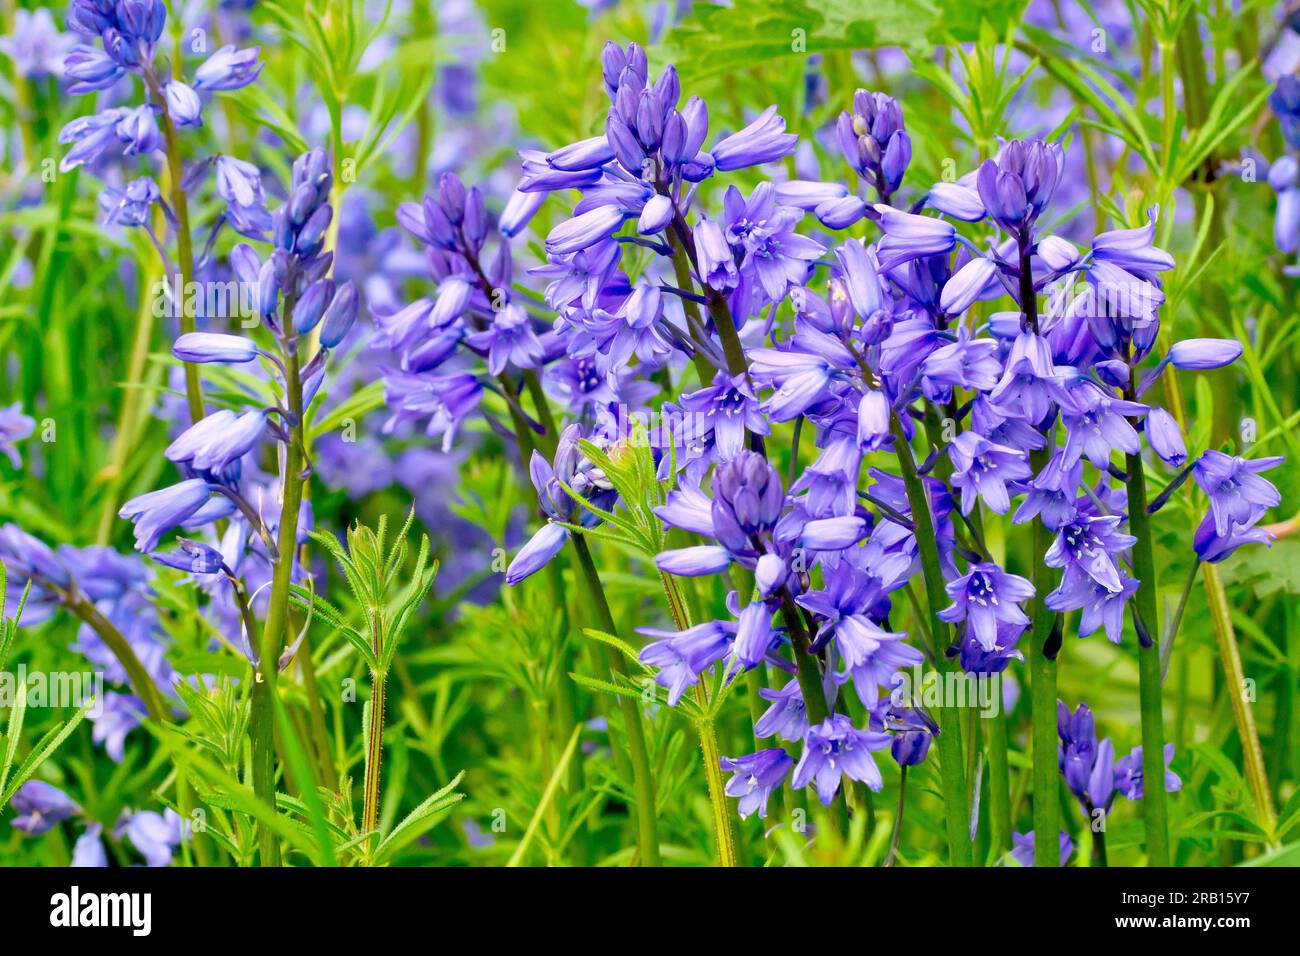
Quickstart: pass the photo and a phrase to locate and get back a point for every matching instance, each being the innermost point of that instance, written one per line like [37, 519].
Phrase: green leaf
[420, 820]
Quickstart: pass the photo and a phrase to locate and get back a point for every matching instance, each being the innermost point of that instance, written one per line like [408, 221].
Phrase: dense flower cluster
[871, 344]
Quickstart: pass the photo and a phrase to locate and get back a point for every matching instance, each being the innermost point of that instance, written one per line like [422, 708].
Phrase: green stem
[708, 741]
[374, 753]
[262, 717]
[1155, 811]
[642, 780]
[999, 777]
[1042, 699]
[951, 764]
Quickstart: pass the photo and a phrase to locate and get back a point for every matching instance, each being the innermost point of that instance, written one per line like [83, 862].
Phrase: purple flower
[1238, 495]
[214, 347]
[1213, 547]
[1102, 606]
[213, 444]
[510, 341]
[14, 427]
[835, 748]
[442, 401]
[1200, 354]
[755, 777]
[716, 263]
[36, 46]
[40, 807]
[1029, 387]
[1133, 250]
[983, 469]
[154, 835]
[157, 512]
[1165, 437]
[89, 848]
[786, 717]
[874, 142]
[985, 598]
[1016, 185]
[1098, 425]
[228, 69]
[1090, 546]
[1129, 778]
[1023, 851]
[131, 206]
[729, 408]
[1285, 103]
[681, 656]
[183, 104]
[585, 230]
[762, 141]
[1088, 766]
[913, 732]
[909, 236]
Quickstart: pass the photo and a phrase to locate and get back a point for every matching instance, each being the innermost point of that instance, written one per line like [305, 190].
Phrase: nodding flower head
[747, 500]
[1017, 185]
[874, 142]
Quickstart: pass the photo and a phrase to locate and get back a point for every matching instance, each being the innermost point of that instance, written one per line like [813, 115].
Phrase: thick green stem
[952, 771]
[999, 776]
[1155, 809]
[374, 753]
[1042, 699]
[262, 717]
[642, 780]
[708, 741]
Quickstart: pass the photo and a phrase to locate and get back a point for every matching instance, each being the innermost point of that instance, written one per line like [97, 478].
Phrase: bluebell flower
[157, 512]
[986, 597]
[1023, 850]
[786, 717]
[730, 409]
[131, 206]
[217, 347]
[228, 69]
[1130, 780]
[716, 263]
[183, 104]
[1204, 353]
[91, 137]
[40, 807]
[36, 46]
[1285, 103]
[1101, 606]
[89, 851]
[1165, 437]
[762, 141]
[192, 556]
[874, 142]
[154, 835]
[1017, 184]
[1133, 250]
[755, 777]
[1098, 425]
[834, 749]
[983, 469]
[1238, 495]
[913, 732]
[1090, 546]
[682, 656]
[213, 444]
[443, 402]
[909, 236]
[1214, 547]
[14, 427]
